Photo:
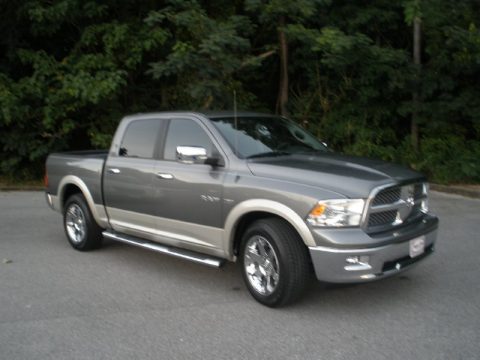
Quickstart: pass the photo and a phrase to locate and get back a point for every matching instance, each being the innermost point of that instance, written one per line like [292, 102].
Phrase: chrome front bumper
[334, 264]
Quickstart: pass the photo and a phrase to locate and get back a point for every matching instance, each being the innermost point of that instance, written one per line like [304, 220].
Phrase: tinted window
[140, 138]
[184, 132]
[257, 136]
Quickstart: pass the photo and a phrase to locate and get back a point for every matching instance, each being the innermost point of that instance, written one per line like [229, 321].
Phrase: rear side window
[140, 139]
[185, 132]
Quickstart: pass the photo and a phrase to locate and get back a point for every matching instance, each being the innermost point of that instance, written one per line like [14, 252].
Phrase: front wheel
[275, 262]
[83, 233]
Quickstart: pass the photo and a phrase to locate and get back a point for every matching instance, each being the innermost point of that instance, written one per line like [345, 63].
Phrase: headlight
[336, 213]
[424, 203]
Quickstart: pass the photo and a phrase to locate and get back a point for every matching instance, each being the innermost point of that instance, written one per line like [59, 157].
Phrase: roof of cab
[207, 114]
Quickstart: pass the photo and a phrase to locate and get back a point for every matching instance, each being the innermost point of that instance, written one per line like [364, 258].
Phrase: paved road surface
[122, 302]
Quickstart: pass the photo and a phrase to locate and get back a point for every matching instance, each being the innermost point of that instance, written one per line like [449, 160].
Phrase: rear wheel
[83, 233]
[275, 262]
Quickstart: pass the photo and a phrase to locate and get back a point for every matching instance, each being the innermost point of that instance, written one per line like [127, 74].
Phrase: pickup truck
[251, 187]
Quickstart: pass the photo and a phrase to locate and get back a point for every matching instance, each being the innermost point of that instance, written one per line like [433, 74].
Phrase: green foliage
[202, 47]
[412, 10]
[60, 95]
[450, 159]
[71, 69]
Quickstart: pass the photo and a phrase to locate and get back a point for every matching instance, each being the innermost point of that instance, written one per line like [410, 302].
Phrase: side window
[187, 133]
[140, 138]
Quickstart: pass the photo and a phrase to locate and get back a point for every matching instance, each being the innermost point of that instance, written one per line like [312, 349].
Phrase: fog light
[357, 263]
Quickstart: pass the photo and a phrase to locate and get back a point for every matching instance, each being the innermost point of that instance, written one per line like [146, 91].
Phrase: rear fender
[98, 210]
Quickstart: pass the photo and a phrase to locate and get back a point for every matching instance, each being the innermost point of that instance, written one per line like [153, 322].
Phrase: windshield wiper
[268, 154]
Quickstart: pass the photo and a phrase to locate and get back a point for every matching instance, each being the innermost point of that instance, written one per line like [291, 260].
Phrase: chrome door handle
[165, 176]
[114, 171]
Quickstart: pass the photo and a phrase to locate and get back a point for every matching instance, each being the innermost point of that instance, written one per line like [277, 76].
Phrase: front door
[189, 196]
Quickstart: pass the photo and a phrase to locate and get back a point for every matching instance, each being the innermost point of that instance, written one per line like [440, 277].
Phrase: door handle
[165, 176]
[114, 171]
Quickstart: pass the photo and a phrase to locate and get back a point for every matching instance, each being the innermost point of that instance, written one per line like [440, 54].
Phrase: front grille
[394, 206]
[387, 196]
[382, 218]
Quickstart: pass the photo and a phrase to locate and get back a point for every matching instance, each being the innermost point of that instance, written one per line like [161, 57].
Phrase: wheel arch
[71, 185]
[243, 214]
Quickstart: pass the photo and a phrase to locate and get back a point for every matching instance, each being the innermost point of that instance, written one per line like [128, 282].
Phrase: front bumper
[389, 258]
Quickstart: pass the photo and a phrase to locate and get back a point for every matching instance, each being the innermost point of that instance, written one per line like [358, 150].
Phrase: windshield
[266, 136]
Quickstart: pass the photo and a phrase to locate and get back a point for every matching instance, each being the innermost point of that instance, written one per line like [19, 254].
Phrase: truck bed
[86, 166]
[101, 154]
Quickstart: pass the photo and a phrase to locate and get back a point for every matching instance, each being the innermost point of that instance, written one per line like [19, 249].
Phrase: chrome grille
[394, 206]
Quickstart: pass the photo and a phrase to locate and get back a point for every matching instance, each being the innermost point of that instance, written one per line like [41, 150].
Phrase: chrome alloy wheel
[75, 223]
[261, 265]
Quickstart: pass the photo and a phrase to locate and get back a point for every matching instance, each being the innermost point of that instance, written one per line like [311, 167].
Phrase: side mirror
[197, 155]
[191, 154]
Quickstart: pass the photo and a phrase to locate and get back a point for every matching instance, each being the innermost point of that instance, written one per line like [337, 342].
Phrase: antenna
[235, 120]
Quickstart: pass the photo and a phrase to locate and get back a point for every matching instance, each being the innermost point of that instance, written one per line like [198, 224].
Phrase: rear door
[128, 176]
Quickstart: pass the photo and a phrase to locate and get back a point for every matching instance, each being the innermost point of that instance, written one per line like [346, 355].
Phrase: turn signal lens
[318, 210]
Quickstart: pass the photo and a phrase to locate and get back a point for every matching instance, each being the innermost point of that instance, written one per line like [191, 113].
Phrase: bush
[450, 159]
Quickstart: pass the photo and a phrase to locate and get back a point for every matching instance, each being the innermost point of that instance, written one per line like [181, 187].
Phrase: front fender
[268, 206]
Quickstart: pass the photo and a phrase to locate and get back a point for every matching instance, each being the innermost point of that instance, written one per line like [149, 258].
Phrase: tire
[83, 233]
[275, 262]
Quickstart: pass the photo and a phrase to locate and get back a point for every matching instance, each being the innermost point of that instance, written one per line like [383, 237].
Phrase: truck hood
[351, 176]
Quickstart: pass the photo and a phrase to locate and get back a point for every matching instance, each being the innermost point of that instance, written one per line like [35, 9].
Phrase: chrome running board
[169, 250]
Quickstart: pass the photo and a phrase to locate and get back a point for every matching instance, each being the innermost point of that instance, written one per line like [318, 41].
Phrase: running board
[169, 250]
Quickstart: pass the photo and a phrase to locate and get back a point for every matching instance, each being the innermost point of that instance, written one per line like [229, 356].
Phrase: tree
[277, 15]
[68, 66]
[205, 53]
[413, 17]
[71, 69]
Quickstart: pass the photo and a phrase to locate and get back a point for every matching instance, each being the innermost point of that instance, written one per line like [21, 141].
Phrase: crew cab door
[189, 197]
[128, 177]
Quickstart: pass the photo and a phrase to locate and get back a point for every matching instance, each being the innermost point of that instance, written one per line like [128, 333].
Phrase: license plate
[417, 246]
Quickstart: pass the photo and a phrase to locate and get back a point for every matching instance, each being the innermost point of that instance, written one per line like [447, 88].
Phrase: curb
[459, 190]
[21, 188]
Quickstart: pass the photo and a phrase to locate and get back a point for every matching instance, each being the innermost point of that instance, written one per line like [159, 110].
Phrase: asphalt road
[121, 302]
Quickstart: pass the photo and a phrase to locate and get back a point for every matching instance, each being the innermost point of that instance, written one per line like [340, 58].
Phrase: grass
[7, 183]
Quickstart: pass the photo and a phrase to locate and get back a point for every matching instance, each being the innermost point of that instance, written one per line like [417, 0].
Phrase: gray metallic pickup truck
[247, 186]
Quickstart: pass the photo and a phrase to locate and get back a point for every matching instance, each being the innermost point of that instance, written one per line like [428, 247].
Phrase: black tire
[287, 269]
[83, 233]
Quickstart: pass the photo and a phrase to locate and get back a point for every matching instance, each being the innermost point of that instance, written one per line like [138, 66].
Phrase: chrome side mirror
[191, 154]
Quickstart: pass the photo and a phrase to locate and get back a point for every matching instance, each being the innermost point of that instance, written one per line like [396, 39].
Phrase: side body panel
[190, 198]
[127, 191]
[83, 170]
